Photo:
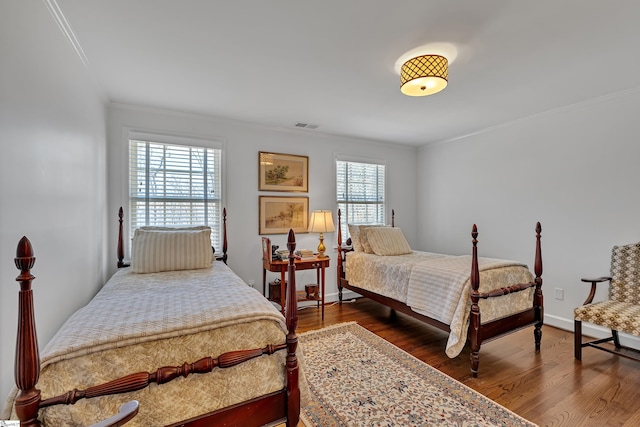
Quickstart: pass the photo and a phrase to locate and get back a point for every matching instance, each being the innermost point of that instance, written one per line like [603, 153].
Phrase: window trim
[360, 159]
[173, 139]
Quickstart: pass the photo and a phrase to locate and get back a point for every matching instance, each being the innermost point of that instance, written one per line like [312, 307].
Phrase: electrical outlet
[559, 294]
[252, 283]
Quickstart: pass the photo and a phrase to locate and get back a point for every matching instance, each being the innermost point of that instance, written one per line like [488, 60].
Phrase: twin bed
[182, 335]
[472, 298]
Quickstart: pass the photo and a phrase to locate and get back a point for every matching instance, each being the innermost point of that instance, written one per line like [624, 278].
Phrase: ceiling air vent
[305, 125]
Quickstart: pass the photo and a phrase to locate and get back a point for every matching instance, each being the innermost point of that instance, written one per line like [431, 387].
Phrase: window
[174, 185]
[360, 193]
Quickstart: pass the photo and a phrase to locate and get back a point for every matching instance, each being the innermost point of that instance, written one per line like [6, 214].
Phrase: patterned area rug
[359, 379]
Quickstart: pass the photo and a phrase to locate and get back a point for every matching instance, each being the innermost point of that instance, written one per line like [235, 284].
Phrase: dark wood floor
[549, 388]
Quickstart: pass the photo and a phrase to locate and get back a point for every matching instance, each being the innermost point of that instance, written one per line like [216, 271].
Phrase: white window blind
[175, 185]
[360, 193]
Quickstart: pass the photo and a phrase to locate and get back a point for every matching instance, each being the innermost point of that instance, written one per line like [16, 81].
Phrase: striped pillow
[364, 236]
[163, 250]
[387, 241]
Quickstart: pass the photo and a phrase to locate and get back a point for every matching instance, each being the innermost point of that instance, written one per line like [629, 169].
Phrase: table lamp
[321, 222]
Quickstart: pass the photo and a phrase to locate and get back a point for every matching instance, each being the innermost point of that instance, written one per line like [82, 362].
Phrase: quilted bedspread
[437, 286]
[140, 322]
[439, 289]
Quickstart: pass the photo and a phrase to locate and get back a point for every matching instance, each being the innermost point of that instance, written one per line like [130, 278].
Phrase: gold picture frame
[278, 214]
[283, 172]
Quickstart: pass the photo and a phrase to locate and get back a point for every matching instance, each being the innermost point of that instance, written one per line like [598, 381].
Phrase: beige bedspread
[437, 286]
[439, 289]
[140, 322]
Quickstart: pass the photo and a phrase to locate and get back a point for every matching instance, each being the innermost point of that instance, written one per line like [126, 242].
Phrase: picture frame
[283, 172]
[278, 214]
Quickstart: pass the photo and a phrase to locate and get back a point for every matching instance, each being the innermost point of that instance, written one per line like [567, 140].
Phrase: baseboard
[591, 330]
[346, 295]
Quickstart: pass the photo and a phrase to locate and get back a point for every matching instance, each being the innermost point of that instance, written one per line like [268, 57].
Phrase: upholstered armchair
[620, 312]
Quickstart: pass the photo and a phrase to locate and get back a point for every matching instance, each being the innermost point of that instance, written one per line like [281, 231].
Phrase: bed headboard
[222, 257]
[348, 242]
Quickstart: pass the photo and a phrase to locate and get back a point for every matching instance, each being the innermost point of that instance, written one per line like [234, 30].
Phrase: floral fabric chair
[621, 311]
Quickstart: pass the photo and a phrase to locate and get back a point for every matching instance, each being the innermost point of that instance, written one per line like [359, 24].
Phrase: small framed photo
[280, 213]
[283, 172]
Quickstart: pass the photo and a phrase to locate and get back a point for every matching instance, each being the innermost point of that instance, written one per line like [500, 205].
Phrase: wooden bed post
[293, 388]
[474, 336]
[538, 301]
[339, 269]
[224, 235]
[27, 363]
[120, 245]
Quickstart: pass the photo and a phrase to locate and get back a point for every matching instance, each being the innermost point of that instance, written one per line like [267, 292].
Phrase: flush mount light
[424, 75]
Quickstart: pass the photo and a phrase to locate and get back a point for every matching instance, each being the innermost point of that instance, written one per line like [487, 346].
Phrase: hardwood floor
[548, 388]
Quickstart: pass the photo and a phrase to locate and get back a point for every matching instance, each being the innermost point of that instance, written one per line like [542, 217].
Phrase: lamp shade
[321, 222]
[424, 75]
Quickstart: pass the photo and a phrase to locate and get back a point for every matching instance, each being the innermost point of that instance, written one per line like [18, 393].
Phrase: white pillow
[354, 234]
[387, 241]
[364, 236]
[163, 250]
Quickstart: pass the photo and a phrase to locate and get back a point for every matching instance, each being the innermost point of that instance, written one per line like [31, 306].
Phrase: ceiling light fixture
[424, 75]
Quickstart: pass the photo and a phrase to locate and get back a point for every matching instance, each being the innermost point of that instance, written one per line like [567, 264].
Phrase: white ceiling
[331, 62]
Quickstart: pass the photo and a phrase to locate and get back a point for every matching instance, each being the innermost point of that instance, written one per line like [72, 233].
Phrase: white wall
[575, 170]
[242, 143]
[52, 174]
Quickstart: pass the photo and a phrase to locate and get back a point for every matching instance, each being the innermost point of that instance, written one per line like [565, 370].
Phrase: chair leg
[577, 339]
[616, 339]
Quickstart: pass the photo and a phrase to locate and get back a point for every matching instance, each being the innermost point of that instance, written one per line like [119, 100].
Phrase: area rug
[358, 379]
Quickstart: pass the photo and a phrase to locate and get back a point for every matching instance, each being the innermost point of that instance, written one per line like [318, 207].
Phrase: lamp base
[321, 247]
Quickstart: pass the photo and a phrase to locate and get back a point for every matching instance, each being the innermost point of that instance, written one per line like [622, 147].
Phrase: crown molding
[66, 29]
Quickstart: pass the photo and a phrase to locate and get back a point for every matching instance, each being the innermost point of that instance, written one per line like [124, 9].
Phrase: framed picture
[283, 172]
[278, 214]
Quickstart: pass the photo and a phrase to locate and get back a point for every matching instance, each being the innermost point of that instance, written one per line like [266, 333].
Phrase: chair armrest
[126, 412]
[594, 282]
[598, 280]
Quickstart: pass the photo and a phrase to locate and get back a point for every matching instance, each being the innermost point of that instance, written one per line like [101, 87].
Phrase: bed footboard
[478, 332]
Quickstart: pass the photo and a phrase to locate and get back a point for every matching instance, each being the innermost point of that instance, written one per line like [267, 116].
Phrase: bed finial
[24, 256]
[27, 363]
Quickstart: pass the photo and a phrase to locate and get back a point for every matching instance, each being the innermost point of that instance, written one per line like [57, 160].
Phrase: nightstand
[319, 264]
